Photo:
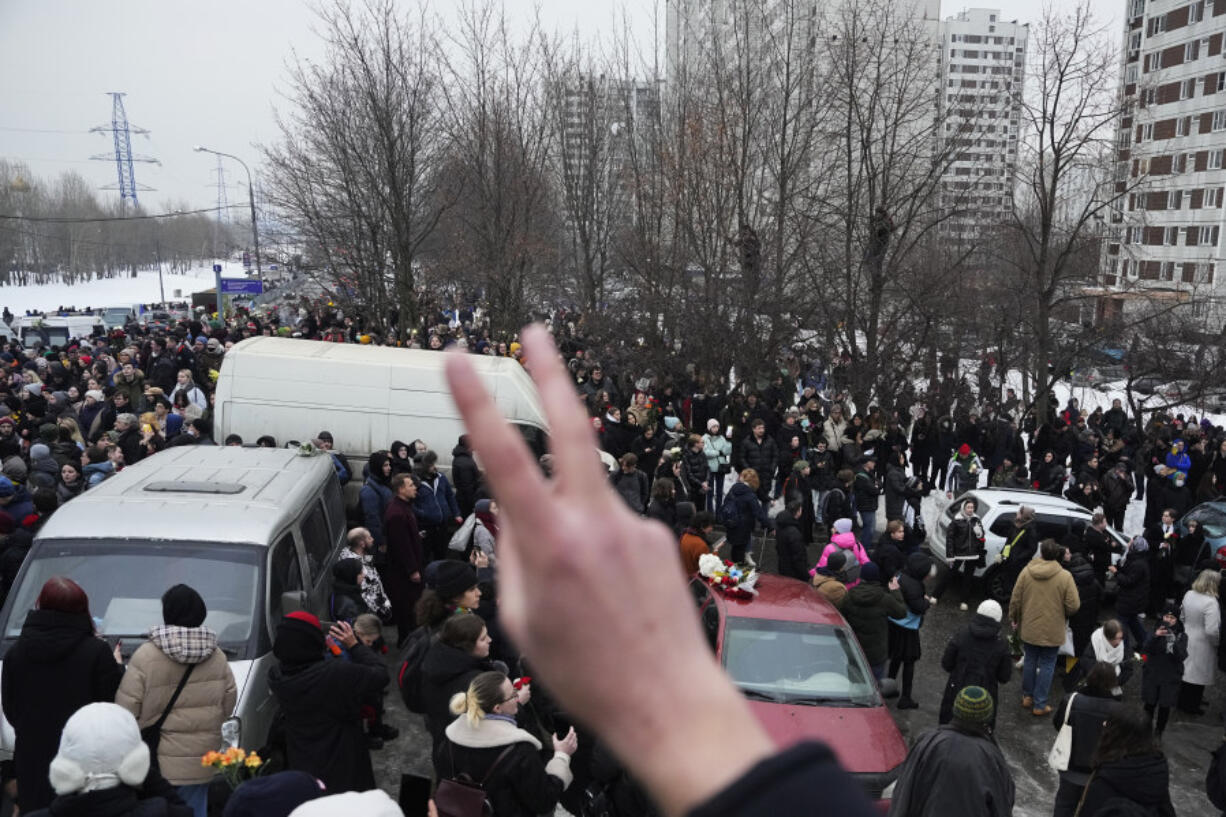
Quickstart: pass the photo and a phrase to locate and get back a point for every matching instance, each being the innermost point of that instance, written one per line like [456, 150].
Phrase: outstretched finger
[513, 472]
[572, 441]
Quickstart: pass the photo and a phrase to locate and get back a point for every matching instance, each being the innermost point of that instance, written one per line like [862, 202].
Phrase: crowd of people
[840, 492]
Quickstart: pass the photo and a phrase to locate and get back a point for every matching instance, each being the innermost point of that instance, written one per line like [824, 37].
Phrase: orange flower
[253, 761]
[209, 758]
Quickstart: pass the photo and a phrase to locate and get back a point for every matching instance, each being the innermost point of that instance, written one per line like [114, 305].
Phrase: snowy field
[112, 291]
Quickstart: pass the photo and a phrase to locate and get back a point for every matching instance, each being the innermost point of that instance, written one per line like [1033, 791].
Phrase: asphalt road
[1024, 738]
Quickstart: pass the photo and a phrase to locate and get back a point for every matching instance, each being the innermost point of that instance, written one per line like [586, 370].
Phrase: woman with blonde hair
[486, 745]
[1202, 622]
[74, 431]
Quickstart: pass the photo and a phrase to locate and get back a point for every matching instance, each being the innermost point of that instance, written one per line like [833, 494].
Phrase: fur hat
[100, 748]
[373, 803]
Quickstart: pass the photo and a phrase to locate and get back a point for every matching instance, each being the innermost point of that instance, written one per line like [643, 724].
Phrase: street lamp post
[255, 231]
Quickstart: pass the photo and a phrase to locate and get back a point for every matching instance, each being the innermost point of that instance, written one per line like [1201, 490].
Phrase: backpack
[409, 678]
[461, 540]
[461, 796]
[729, 513]
[825, 509]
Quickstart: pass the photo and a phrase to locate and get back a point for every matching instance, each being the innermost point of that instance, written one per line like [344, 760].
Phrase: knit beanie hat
[373, 803]
[973, 705]
[347, 570]
[1138, 544]
[96, 394]
[452, 578]
[991, 609]
[276, 795]
[836, 561]
[964, 450]
[299, 640]
[183, 607]
[100, 748]
[842, 526]
[39, 451]
[799, 466]
[870, 573]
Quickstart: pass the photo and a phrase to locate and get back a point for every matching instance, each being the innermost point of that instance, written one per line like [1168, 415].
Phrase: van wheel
[997, 584]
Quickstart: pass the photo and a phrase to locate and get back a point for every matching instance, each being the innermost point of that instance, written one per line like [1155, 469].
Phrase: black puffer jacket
[975, 656]
[1133, 577]
[790, 544]
[964, 538]
[445, 671]
[56, 667]
[1087, 719]
[1085, 620]
[465, 477]
[866, 491]
[1144, 780]
[762, 456]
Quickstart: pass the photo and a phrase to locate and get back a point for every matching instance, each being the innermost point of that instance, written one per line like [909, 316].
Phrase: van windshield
[125, 583]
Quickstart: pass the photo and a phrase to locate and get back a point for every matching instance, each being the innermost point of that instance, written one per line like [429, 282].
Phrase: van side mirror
[293, 602]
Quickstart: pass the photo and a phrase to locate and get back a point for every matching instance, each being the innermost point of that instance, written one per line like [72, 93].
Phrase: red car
[800, 665]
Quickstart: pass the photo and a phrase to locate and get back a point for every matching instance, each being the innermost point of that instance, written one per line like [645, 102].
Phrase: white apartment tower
[1166, 241]
[983, 69]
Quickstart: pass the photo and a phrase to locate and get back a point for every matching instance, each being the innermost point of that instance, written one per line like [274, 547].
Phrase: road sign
[217, 268]
[240, 286]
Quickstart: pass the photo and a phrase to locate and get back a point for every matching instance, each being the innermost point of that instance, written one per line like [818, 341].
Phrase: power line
[40, 130]
[146, 217]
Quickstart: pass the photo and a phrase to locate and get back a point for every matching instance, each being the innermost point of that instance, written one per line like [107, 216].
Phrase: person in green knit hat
[957, 768]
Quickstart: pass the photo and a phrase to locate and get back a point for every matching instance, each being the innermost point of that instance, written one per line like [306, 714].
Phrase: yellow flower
[253, 761]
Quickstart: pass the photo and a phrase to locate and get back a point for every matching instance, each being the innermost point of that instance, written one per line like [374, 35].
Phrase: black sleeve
[786, 783]
[367, 673]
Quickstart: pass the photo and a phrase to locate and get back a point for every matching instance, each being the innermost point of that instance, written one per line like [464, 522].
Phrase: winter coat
[822, 470]
[976, 656]
[964, 538]
[896, 493]
[445, 671]
[648, 452]
[435, 504]
[54, 668]
[1133, 579]
[1099, 545]
[631, 487]
[1143, 780]
[1163, 670]
[1085, 620]
[911, 582]
[1086, 719]
[321, 703]
[1117, 489]
[889, 557]
[1202, 622]
[760, 455]
[193, 726]
[1043, 599]
[750, 511]
[694, 471]
[963, 474]
[404, 556]
[466, 476]
[121, 801]
[866, 492]
[522, 784]
[718, 452]
[374, 497]
[830, 587]
[790, 545]
[949, 772]
[867, 609]
[851, 547]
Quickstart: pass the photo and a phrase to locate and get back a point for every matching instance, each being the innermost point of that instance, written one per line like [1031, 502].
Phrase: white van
[254, 531]
[366, 396]
[53, 330]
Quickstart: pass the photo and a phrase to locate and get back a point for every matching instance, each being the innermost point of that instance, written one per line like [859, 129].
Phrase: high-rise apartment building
[1166, 237]
[983, 68]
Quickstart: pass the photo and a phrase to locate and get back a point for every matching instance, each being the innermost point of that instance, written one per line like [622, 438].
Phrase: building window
[1170, 236]
[1215, 159]
[1219, 119]
[1147, 132]
[1130, 74]
[1183, 126]
[1136, 8]
[1213, 196]
[1196, 13]
[1191, 50]
[1187, 89]
[1209, 236]
[1174, 199]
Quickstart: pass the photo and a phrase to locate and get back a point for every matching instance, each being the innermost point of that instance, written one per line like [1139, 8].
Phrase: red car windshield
[797, 663]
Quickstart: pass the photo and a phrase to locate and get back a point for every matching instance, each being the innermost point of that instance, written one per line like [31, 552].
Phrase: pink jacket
[842, 541]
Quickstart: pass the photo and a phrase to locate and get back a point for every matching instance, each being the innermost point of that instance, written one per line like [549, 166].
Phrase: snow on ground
[120, 291]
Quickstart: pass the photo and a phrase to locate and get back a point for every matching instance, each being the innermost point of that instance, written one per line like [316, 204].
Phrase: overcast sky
[207, 73]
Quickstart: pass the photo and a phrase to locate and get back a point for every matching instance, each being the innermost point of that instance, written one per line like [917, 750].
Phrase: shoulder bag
[1062, 749]
[152, 734]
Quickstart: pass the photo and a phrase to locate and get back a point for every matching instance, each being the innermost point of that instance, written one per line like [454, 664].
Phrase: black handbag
[152, 734]
[460, 796]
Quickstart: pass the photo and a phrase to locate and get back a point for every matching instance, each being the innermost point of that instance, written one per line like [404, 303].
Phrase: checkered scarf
[184, 645]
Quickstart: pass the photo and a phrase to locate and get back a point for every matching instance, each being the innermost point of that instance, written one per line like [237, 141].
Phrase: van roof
[195, 493]
[361, 354]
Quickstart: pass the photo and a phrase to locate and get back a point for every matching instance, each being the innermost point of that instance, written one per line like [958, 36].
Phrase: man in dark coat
[976, 656]
[868, 608]
[321, 701]
[405, 559]
[54, 668]
[957, 768]
[759, 452]
[465, 476]
[789, 542]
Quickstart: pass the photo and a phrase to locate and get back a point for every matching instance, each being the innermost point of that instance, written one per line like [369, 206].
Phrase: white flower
[709, 564]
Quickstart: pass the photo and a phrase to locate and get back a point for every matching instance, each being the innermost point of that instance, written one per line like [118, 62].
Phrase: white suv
[1055, 518]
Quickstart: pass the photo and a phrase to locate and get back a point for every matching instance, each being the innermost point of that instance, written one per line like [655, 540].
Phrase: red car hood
[865, 739]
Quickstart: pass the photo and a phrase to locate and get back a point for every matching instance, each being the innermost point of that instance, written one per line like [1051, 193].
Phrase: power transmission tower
[223, 204]
[123, 157]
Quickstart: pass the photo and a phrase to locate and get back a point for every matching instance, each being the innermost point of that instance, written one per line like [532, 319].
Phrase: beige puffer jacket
[1043, 598]
[193, 726]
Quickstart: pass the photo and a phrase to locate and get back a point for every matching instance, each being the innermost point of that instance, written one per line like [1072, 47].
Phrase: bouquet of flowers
[734, 582]
[236, 765]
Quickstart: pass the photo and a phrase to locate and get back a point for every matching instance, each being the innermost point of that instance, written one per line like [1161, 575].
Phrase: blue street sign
[217, 268]
[240, 286]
